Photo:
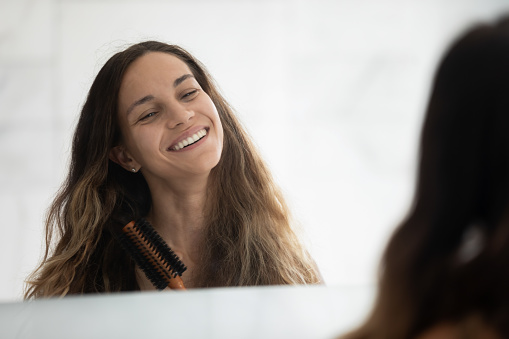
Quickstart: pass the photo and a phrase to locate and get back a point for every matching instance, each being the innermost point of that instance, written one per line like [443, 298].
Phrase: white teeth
[190, 140]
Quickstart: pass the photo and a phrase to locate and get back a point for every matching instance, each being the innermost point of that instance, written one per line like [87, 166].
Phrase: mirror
[332, 93]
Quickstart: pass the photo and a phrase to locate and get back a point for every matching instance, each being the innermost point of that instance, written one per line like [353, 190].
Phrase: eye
[147, 116]
[190, 95]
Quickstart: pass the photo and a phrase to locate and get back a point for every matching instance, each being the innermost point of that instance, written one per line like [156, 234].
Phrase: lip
[186, 135]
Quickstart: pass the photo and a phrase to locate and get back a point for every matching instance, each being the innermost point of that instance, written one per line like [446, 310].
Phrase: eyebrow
[181, 79]
[140, 102]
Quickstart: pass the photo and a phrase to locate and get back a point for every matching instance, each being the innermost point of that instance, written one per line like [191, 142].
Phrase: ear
[121, 156]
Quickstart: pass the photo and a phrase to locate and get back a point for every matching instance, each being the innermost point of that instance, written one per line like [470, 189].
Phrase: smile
[190, 140]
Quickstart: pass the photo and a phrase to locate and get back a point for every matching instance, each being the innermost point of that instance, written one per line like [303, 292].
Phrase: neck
[177, 211]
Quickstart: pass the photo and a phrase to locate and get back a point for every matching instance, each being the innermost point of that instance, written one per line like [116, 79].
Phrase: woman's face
[170, 126]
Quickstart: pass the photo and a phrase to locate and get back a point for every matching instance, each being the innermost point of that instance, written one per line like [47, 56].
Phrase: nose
[178, 115]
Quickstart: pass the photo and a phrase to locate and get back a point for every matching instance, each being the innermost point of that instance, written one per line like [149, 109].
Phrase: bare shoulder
[443, 331]
[467, 329]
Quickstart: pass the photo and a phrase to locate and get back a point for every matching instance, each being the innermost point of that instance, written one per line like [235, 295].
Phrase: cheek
[214, 116]
[219, 127]
[220, 133]
[141, 143]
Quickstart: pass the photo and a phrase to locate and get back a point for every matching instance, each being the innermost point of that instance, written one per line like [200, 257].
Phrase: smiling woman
[156, 140]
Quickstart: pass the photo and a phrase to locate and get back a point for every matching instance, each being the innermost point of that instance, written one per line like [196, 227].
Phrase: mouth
[190, 140]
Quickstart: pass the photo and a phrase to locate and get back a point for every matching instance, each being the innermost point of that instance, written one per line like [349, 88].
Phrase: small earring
[134, 170]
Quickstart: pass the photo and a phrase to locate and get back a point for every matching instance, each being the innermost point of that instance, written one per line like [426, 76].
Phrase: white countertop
[248, 312]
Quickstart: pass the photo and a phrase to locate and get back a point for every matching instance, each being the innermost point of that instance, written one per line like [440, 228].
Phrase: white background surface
[332, 92]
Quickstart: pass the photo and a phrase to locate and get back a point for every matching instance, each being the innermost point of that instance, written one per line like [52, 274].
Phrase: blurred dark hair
[448, 259]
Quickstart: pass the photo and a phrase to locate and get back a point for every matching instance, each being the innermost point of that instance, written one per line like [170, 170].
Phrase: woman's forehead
[156, 63]
[149, 73]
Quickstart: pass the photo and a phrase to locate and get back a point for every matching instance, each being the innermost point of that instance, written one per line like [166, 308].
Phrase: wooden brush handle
[176, 283]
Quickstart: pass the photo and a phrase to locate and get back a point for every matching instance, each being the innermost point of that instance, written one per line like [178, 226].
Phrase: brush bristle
[151, 253]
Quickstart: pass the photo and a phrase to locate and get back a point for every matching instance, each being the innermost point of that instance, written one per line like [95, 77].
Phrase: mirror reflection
[331, 94]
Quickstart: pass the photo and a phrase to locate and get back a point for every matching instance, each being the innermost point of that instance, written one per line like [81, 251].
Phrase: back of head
[460, 221]
[464, 169]
[446, 260]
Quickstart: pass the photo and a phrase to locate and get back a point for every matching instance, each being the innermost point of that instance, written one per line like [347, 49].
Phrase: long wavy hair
[248, 237]
[448, 260]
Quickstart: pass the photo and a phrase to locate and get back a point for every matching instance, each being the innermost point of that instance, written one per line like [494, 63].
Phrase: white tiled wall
[332, 91]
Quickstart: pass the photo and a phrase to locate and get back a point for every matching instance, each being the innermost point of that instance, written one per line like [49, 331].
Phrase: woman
[155, 139]
[444, 273]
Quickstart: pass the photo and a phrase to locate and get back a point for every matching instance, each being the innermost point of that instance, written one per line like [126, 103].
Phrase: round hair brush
[151, 253]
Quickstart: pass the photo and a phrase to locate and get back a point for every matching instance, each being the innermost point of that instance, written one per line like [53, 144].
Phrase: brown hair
[447, 261]
[248, 238]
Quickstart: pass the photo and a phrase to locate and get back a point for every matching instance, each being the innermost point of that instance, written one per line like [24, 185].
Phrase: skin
[473, 328]
[161, 103]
